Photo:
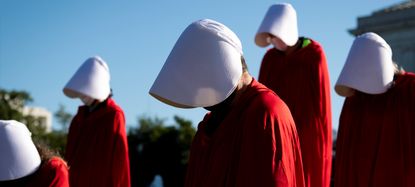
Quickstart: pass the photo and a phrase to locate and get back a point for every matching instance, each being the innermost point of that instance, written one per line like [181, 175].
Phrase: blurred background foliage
[155, 148]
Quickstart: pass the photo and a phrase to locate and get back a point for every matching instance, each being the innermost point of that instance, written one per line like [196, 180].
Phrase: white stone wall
[402, 42]
[41, 113]
[398, 29]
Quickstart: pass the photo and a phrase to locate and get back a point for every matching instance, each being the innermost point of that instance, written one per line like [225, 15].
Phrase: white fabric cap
[369, 67]
[203, 68]
[19, 156]
[280, 21]
[92, 79]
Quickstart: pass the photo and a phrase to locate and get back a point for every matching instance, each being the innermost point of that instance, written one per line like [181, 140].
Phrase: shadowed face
[87, 100]
[277, 43]
[222, 105]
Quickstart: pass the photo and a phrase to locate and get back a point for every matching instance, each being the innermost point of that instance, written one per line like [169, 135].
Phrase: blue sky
[42, 43]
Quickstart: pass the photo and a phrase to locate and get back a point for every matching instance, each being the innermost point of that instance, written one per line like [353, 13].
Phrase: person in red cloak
[54, 170]
[24, 164]
[296, 69]
[97, 150]
[375, 144]
[249, 137]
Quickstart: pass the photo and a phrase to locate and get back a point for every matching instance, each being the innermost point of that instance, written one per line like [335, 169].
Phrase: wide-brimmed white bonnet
[369, 67]
[203, 68]
[92, 79]
[280, 21]
[18, 154]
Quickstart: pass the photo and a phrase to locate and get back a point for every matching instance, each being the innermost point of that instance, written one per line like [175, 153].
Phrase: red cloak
[97, 149]
[301, 80]
[376, 139]
[255, 145]
[53, 173]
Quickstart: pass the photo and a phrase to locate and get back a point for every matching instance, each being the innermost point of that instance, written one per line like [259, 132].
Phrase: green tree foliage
[157, 149]
[63, 117]
[12, 103]
[55, 141]
[11, 107]
[186, 134]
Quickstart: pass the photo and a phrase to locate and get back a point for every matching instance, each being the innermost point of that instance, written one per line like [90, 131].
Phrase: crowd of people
[275, 130]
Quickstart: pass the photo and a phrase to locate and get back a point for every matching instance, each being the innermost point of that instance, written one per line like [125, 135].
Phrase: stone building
[43, 116]
[396, 24]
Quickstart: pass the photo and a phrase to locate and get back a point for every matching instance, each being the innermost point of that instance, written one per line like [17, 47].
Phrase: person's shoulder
[313, 53]
[55, 166]
[406, 79]
[312, 42]
[272, 51]
[81, 110]
[409, 75]
[267, 103]
[314, 45]
[113, 107]
[266, 98]
[57, 162]
[52, 171]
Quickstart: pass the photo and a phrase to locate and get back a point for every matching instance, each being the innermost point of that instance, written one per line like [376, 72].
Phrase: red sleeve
[343, 153]
[313, 118]
[120, 162]
[260, 163]
[270, 155]
[264, 69]
[323, 118]
[72, 136]
[323, 83]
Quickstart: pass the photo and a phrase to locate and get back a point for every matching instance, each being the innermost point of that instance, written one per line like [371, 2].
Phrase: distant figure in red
[296, 69]
[22, 164]
[249, 137]
[376, 138]
[97, 150]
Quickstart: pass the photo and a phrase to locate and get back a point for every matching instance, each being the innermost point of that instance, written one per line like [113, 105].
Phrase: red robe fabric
[376, 139]
[97, 149]
[301, 79]
[54, 173]
[255, 145]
